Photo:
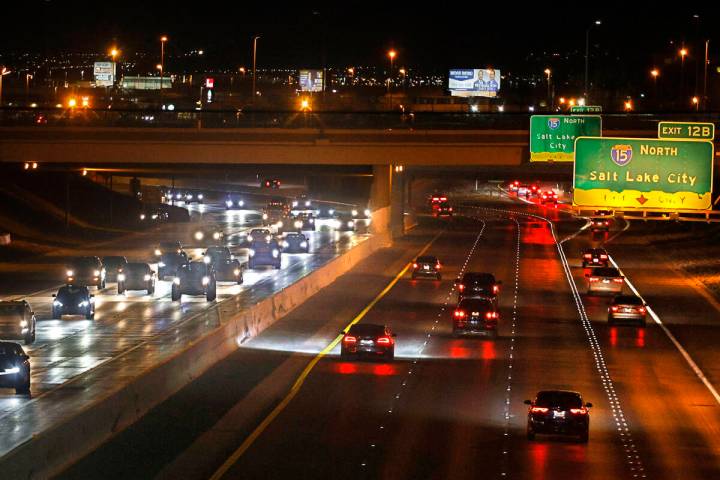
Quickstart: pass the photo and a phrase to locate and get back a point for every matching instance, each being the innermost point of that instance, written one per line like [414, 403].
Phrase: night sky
[351, 33]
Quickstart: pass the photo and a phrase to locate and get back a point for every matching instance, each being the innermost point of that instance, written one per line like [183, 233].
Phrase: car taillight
[539, 410]
[443, 199]
[604, 257]
[496, 289]
[517, 183]
[594, 279]
[618, 280]
[415, 265]
[450, 209]
[614, 308]
[437, 266]
[349, 339]
[459, 314]
[383, 340]
[587, 255]
[461, 287]
[491, 315]
[642, 310]
[579, 411]
[607, 223]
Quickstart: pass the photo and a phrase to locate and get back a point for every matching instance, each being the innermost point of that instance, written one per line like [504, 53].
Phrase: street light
[587, 53]
[683, 53]
[391, 54]
[255, 39]
[161, 67]
[28, 77]
[548, 72]
[114, 52]
[3, 71]
[696, 102]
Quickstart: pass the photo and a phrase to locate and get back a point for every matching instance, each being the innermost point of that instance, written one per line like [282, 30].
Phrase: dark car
[86, 272]
[226, 267]
[548, 197]
[601, 224]
[113, 265]
[627, 308]
[558, 412]
[295, 243]
[597, 257]
[259, 234]
[263, 252]
[136, 276]
[368, 339]
[73, 300]
[478, 284]
[17, 321]
[170, 262]
[14, 368]
[270, 183]
[233, 203]
[304, 222]
[194, 278]
[426, 266]
[167, 247]
[444, 210]
[475, 315]
[344, 223]
[287, 224]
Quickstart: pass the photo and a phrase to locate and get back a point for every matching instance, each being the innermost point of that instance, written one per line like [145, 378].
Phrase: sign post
[643, 173]
[686, 130]
[552, 137]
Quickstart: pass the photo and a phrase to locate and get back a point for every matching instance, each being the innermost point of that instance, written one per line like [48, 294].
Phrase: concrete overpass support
[387, 200]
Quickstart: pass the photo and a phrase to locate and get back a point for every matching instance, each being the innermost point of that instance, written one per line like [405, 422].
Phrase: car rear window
[479, 278]
[427, 260]
[475, 304]
[559, 399]
[606, 272]
[627, 300]
[367, 329]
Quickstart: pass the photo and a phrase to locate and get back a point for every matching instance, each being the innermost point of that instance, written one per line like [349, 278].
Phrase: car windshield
[432, 260]
[169, 245]
[70, 292]
[475, 305]
[136, 268]
[606, 272]
[295, 236]
[85, 262]
[369, 330]
[627, 300]
[479, 278]
[113, 261]
[559, 399]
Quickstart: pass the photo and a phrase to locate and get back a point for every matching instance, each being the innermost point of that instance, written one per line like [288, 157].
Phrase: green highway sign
[552, 137]
[643, 173]
[586, 109]
[686, 130]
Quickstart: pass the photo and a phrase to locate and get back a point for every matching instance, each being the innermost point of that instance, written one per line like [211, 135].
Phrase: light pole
[548, 72]
[587, 54]
[705, 78]
[3, 71]
[163, 39]
[255, 39]
[683, 53]
[655, 73]
[392, 54]
[28, 77]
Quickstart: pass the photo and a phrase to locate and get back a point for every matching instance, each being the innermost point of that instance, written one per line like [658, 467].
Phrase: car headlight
[351, 224]
[298, 224]
[96, 273]
[201, 196]
[70, 273]
[205, 280]
[250, 238]
[265, 216]
[178, 196]
[157, 252]
[188, 196]
[207, 259]
[161, 264]
[142, 216]
[229, 203]
[241, 203]
[236, 272]
[84, 303]
[121, 277]
[176, 280]
[199, 235]
[57, 303]
[251, 252]
[155, 216]
[268, 238]
[354, 213]
[303, 244]
[294, 203]
[275, 253]
[331, 212]
[280, 224]
[147, 277]
[307, 203]
[368, 213]
[23, 323]
[285, 244]
[217, 235]
[11, 370]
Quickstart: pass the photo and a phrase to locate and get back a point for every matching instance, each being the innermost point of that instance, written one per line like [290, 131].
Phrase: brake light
[415, 265]
[641, 310]
[496, 289]
[383, 340]
[349, 339]
[437, 265]
[587, 255]
[491, 315]
[459, 314]
[450, 209]
[618, 280]
[461, 287]
[604, 257]
[443, 199]
[516, 182]
[539, 410]
[579, 411]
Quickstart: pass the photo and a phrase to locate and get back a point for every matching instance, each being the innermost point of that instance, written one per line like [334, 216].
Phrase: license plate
[595, 260]
[558, 414]
[627, 310]
[475, 314]
[605, 280]
[426, 267]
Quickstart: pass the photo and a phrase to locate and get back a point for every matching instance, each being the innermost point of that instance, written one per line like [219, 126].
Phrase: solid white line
[674, 340]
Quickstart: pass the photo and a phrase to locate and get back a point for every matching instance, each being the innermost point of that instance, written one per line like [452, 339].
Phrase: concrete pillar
[387, 199]
[397, 204]
[381, 187]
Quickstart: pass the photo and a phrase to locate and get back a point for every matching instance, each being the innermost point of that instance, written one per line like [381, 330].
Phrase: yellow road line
[247, 443]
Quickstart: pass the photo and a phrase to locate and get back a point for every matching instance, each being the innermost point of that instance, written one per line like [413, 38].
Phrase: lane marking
[694, 366]
[248, 442]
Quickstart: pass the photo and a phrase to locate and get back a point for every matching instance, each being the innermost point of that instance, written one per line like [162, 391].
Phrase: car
[437, 199]
[600, 224]
[444, 210]
[426, 266]
[167, 247]
[86, 272]
[232, 203]
[73, 300]
[259, 234]
[523, 191]
[605, 280]
[194, 278]
[152, 214]
[14, 368]
[548, 197]
[170, 262]
[476, 316]
[136, 276]
[513, 186]
[558, 412]
[627, 308]
[362, 219]
[597, 257]
[270, 183]
[113, 265]
[478, 284]
[295, 243]
[209, 233]
[302, 203]
[344, 223]
[17, 321]
[194, 198]
[286, 224]
[534, 189]
[307, 222]
[365, 339]
[264, 252]
[226, 267]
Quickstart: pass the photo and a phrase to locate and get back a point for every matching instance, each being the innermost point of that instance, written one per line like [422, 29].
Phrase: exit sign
[686, 130]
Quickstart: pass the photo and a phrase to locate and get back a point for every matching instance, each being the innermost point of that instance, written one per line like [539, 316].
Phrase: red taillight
[349, 339]
[587, 255]
[443, 199]
[437, 266]
[517, 183]
[450, 209]
[614, 308]
[383, 341]
[642, 310]
[618, 280]
[491, 315]
[461, 287]
[539, 410]
[607, 223]
[604, 257]
[459, 314]
[579, 411]
[496, 289]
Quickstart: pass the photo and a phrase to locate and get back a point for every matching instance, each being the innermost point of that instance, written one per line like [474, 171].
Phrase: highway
[447, 407]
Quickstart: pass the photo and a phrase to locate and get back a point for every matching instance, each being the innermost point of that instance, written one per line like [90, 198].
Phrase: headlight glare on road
[205, 280]
[275, 253]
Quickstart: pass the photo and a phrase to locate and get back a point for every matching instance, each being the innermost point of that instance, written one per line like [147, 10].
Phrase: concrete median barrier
[77, 432]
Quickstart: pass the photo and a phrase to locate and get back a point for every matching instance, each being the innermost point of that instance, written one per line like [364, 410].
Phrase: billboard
[552, 137]
[643, 173]
[474, 82]
[104, 74]
[311, 80]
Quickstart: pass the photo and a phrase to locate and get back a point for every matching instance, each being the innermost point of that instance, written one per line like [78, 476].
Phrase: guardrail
[79, 117]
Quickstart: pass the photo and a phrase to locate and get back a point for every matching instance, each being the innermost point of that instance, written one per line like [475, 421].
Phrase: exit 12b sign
[686, 130]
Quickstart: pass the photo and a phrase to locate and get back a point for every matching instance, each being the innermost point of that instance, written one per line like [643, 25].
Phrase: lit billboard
[104, 74]
[311, 80]
[474, 82]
